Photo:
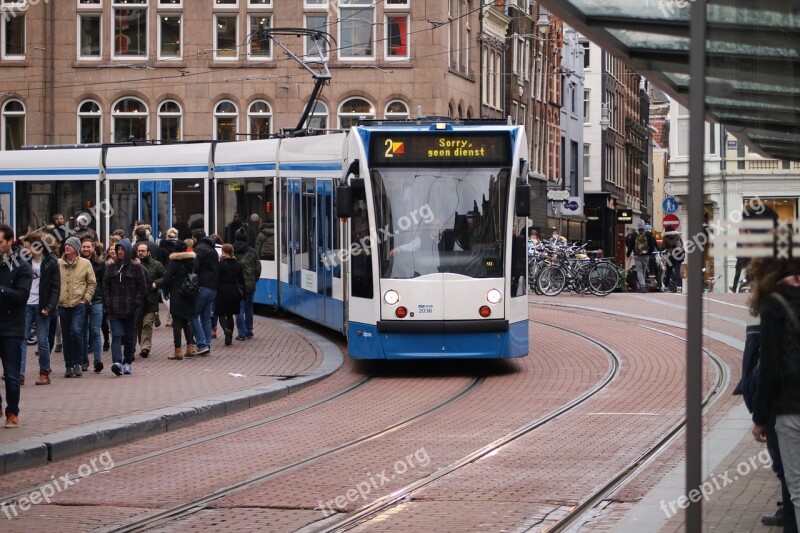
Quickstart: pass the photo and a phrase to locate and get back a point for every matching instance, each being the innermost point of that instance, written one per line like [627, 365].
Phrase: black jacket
[99, 268]
[49, 284]
[778, 388]
[16, 277]
[207, 263]
[166, 247]
[180, 264]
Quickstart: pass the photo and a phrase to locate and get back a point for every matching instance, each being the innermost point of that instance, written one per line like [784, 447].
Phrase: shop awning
[753, 58]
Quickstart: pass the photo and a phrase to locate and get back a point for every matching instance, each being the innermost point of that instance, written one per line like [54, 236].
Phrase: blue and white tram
[436, 241]
[408, 237]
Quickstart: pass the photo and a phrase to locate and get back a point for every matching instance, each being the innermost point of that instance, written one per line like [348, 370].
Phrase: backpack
[190, 285]
[641, 246]
[670, 242]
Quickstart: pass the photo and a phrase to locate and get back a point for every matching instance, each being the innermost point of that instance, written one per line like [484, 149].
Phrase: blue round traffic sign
[670, 205]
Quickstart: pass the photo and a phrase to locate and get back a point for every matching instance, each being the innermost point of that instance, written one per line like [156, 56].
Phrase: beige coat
[77, 282]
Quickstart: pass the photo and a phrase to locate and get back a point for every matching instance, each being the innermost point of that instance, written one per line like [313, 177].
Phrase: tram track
[401, 495]
[404, 494]
[198, 504]
[7, 498]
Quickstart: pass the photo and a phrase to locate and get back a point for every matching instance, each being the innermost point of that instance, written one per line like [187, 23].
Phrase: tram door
[6, 204]
[292, 299]
[155, 199]
[325, 246]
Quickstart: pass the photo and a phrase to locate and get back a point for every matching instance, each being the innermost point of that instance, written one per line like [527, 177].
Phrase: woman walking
[230, 288]
[181, 306]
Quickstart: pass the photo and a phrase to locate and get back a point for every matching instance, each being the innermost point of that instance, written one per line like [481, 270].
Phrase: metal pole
[694, 304]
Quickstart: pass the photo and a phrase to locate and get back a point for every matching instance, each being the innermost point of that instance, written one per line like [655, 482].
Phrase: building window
[259, 120]
[586, 56]
[396, 3]
[129, 121]
[397, 36]
[226, 120]
[12, 128]
[89, 3]
[587, 93]
[259, 42]
[259, 3]
[13, 35]
[226, 3]
[587, 149]
[318, 120]
[89, 122]
[170, 3]
[316, 22]
[169, 35]
[523, 115]
[226, 37]
[90, 36]
[315, 3]
[351, 111]
[169, 121]
[396, 110]
[356, 30]
[130, 29]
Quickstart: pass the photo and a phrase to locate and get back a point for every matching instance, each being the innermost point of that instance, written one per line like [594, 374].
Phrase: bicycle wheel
[551, 280]
[603, 278]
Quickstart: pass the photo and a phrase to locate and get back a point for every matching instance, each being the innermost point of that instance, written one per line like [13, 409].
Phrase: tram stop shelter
[747, 54]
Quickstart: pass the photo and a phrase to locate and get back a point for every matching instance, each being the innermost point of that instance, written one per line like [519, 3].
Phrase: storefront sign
[624, 216]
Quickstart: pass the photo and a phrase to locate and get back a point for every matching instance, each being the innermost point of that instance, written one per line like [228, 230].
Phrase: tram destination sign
[441, 148]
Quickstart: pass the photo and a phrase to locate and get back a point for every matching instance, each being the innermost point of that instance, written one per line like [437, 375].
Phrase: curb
[38, 451]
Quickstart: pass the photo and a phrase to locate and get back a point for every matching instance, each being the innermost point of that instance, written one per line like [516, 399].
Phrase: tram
[406, 236]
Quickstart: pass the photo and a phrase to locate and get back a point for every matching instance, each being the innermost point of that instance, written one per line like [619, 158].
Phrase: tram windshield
[441, 220]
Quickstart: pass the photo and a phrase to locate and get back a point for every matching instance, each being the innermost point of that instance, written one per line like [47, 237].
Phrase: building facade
[94, 71]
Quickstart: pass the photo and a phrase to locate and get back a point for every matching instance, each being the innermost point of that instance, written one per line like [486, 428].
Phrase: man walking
[15, 287]
[78, 286]
[251, 268]
[207, 268]
[155, 277]
[94, 313]
[42, 302]
[643, 247]
[123, 293]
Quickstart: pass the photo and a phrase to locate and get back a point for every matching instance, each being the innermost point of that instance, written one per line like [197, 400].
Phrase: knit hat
[640, 224]
[241, 234]
[75, 243]
[172, 233]
[83, 220]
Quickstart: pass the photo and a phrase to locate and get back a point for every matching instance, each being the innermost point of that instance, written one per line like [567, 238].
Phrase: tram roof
[752, 65]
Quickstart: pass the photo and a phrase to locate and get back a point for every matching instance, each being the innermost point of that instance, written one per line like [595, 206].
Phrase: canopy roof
[752, 58]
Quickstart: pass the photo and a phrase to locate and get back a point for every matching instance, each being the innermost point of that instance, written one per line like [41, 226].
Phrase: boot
[44, 378]
[213, 333]
[178, 354]
[189, 350]
[228, 337]
[169, 320]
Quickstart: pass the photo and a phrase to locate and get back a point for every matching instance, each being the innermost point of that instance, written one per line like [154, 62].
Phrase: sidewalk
[77, 415]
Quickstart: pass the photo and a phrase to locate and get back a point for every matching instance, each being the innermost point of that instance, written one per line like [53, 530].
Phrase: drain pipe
[52, 47]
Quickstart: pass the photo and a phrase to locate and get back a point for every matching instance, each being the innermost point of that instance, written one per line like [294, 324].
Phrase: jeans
[673, 267]
[94, 334]
[201, 321]
[10, 356]
[42, 324]
[244, 320]
[73, 321]
[642, 262]
[123, 328]
[773, 447]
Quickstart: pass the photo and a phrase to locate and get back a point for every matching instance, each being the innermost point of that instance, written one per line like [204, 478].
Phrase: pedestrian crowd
[64, 291]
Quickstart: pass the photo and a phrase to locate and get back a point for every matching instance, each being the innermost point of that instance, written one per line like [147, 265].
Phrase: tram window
[360, 260]
[37, 202]
[519, 257]
[187, 206]
[125, 203]
[265, 240]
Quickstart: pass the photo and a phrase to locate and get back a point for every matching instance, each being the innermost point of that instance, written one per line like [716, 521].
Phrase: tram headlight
[494, 296]
[391, 297]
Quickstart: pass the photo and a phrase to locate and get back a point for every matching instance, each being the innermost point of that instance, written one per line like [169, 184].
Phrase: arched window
[354, 109]
[129, 121]
[318, 120]
[12, 126]
[226, 121]
[259, 120]
[169, 121]
[89, 122]
[396, 110]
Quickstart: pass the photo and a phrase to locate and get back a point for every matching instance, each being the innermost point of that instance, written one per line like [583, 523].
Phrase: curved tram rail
[403, 494]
